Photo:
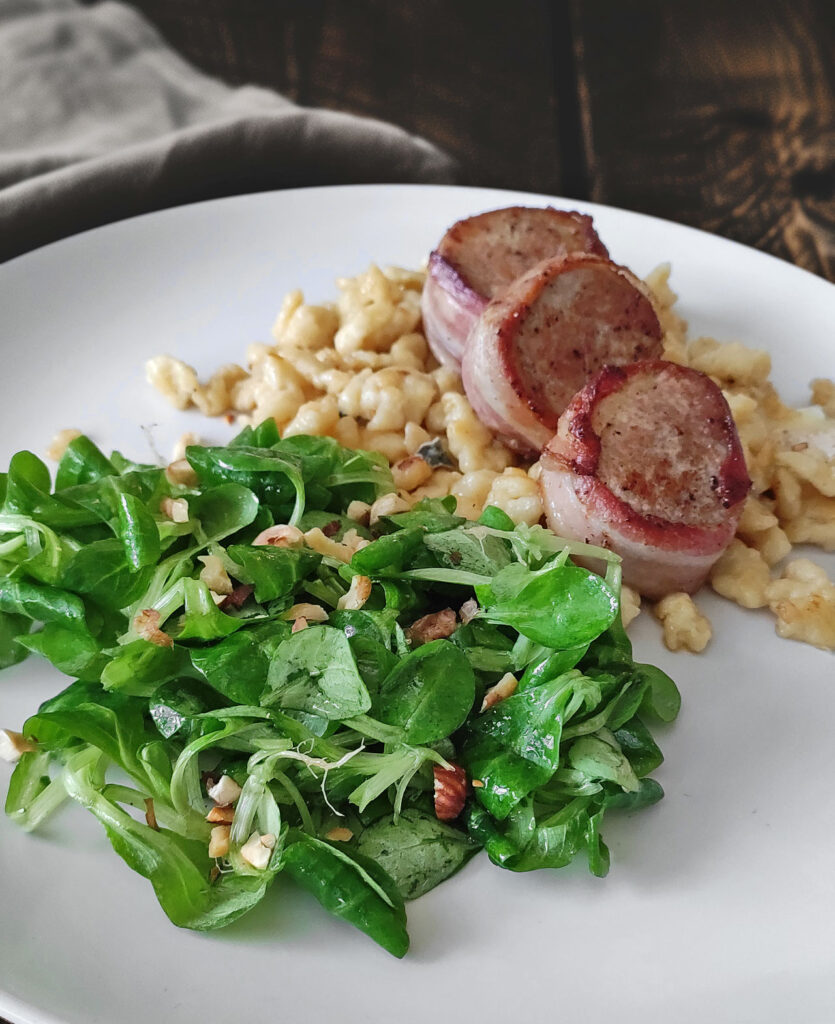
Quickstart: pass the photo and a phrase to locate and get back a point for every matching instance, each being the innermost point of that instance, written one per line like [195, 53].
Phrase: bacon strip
[537, 344]
[480, 256]
[646, 461]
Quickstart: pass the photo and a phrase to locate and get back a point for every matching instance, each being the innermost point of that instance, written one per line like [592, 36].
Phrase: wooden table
[715, 114]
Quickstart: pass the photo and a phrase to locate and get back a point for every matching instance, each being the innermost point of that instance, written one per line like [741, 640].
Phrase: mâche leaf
[326, 749]
[315, 671]
[275, 572]
[13, 629]
[416, 850]
[559, 606]
[350, 887]
[429, 694]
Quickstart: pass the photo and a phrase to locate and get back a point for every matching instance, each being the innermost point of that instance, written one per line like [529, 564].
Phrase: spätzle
[360, 370]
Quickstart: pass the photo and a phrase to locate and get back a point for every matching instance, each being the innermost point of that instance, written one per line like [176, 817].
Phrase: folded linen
[101, 120]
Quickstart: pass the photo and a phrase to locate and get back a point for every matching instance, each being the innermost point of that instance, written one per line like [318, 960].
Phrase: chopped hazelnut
[175, 509]
[339, 835]
[225, 792]
[450, 791]
[359, 511]
[282, 536]
[146, 624]
[221, 815]
[358, 593]
[435, 626]
[503, 689]
[180, 472]
[219, 841]
[311, 612]
[13, 745]
[468, 610]
[257, 850]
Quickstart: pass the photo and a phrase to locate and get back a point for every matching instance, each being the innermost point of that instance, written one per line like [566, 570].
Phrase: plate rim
[20, 1009]
[583, 205]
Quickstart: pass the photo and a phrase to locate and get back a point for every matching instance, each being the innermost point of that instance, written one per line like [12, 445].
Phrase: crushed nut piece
[219, 841]
[59, 444]
[503, 689]
[358, 593]
[353, 541]
[146, 624]
[221, 815]
[281, 536]
[214, 575]
[180, 472]
[450, 791]
[388, 505]
[225, 791]
[317, 541]
[311, 612]
[175, 509]
[434, 626]
[257, 850]
[360, 512]
[339, 835]
[238, 596]
[186, 441]
[14, 744]
[299, 624]
[477, 784]
[468, 610]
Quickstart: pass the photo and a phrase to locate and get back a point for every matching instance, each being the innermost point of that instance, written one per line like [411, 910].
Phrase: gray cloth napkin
[100, 120]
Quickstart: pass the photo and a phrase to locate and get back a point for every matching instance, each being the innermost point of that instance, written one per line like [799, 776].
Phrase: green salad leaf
[328, 722]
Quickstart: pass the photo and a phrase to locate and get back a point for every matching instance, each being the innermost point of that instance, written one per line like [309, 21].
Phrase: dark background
[719, 113]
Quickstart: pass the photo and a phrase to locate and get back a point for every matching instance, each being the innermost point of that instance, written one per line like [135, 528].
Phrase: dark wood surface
[715, 114]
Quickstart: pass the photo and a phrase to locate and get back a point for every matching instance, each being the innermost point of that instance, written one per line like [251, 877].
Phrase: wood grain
[718, 115]
[476, 76]
[712, 114]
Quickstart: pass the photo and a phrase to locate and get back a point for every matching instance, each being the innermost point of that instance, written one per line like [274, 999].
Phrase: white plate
[720, 904]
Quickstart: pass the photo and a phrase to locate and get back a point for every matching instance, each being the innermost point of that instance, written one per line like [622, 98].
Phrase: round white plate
[720, 905]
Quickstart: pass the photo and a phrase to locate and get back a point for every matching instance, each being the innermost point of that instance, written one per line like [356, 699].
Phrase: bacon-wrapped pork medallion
[480, 256]
[646, 461]
[538, 343]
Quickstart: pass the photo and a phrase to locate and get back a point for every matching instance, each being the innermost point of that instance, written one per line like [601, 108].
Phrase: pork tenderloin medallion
[647, 462]
[480, 256]
[538, 343]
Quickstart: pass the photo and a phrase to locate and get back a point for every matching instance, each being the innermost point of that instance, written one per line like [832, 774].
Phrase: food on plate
[360, 370]
[538, 343]
[646, 461]
[685, 628]
[480, 256]
[281, 666]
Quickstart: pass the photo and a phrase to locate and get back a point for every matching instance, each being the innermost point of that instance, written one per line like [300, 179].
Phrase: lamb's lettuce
[333, 729]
